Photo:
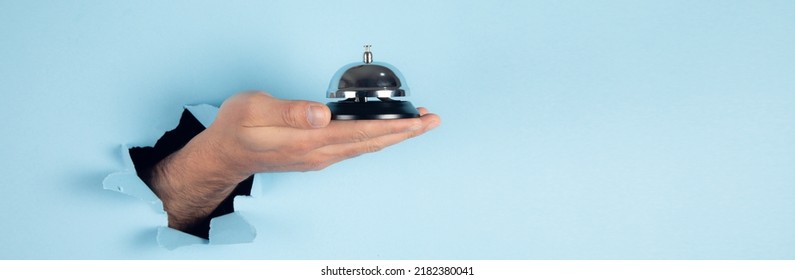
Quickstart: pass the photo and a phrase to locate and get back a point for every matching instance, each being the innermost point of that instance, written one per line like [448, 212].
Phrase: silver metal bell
[359, 82]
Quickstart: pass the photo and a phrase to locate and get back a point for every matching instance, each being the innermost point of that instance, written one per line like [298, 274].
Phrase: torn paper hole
[231, 228]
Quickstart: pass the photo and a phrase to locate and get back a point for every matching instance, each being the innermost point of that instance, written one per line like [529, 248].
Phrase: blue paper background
[571, 129]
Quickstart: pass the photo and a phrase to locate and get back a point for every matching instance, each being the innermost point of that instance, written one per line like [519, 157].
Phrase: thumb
[300, 114]
[262, 109]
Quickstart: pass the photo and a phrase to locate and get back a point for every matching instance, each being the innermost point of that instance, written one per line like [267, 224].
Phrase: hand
[255, 132]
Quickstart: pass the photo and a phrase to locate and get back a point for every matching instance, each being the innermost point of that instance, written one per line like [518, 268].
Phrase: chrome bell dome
[358, 81]
[367, 79]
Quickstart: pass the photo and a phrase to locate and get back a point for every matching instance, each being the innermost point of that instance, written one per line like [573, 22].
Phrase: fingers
[356, 131]
[319, 157]
[323, 157]
[423, 111]
[344, 151]
[335, 133]
[290, 149]
[343, 132]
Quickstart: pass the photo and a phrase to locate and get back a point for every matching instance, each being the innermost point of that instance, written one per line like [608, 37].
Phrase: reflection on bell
[368, 88]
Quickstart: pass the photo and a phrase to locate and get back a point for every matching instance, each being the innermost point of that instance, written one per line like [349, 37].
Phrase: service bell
[368, 89]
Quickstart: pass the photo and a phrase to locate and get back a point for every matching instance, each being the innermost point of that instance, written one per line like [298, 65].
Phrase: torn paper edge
[128, 182]
[204, 113]
[231, 228]
[171, 239]
[227, 229]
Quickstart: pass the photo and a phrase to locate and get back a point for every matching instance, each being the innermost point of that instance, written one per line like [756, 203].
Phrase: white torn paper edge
[128, 182]
[227, 229]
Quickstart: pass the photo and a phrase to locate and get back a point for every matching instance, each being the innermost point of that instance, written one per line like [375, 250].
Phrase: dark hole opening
[145, 158]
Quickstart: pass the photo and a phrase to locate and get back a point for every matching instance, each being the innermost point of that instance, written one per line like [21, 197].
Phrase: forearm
[192, 182]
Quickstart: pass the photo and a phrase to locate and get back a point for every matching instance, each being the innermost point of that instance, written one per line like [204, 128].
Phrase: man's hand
[255, 132]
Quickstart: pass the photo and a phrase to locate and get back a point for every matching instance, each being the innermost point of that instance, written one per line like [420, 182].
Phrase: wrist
[221, 157]
[193, 181]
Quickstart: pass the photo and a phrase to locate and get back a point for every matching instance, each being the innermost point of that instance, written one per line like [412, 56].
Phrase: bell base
[372, 110]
